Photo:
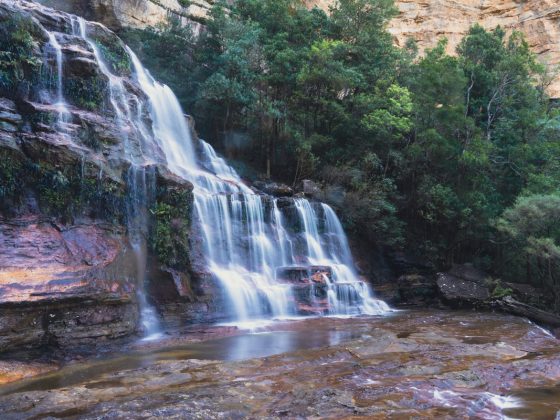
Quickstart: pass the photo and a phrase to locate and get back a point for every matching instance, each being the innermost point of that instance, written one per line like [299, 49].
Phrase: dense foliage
[454, 157]
[18, 62]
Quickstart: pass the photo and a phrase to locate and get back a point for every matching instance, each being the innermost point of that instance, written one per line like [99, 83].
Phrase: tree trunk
[510, 305]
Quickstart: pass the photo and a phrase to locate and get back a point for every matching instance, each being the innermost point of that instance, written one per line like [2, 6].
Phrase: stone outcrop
[463, 285]
[273, 188]
[117, 14]
[64, 284]
[461, 292]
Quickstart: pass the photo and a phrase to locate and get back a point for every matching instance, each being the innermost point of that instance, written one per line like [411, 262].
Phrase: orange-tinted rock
[14, 371]
[64, 285]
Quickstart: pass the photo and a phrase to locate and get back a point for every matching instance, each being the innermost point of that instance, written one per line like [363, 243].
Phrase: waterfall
[246, 237]
[141, 177]
[60, 103]
[274, 257]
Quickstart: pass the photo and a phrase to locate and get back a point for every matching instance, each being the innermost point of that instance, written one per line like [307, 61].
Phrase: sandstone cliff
[116, 14]
[426, 21]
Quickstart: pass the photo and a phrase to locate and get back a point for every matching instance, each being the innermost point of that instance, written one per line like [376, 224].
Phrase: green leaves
[531, 232]
[18, 61]
[390, 117]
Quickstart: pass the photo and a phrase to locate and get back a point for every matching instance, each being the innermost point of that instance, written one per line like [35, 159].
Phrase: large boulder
[274, 188]
[459, 291]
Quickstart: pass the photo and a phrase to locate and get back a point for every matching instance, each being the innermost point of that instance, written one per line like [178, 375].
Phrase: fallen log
[512, 306]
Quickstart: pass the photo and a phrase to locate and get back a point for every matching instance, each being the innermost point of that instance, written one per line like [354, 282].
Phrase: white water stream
[246, 241]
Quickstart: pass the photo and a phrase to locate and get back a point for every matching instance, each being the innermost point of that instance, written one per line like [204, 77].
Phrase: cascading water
[60, 102]
[246, 237]
[141, 177]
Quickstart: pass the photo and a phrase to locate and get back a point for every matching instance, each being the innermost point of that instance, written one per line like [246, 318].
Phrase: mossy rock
[171, 221]
[20, 61]
[63, 191]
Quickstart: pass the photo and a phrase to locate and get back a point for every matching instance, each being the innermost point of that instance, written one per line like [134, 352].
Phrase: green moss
[169, 238]
[18, 62]
[115, 56]
[10, 178]
[497, 289]
[62, 192]
[86, 93]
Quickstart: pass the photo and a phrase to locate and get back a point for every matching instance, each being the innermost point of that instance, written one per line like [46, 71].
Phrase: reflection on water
[539, 403]
[240, 347]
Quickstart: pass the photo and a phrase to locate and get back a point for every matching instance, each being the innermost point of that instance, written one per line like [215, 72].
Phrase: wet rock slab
[63, 285]
[414, 364]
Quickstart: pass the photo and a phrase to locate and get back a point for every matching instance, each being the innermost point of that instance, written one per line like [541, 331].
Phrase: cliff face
[77, 195]
[426, 21]
[116, 14]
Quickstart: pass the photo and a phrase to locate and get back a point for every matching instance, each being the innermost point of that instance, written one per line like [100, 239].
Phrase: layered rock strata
[75, 184]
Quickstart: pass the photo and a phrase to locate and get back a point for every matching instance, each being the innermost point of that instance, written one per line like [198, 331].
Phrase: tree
[531, 230]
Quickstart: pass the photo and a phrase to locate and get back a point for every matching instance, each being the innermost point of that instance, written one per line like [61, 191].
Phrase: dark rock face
[64, 285]
[273, 188]
[461, 291]
[415, 289]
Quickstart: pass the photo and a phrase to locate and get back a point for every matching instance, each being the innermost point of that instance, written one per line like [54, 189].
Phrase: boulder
[461, 292]
[416, 289]
[274, 188]
[469, 272]
[310, 188]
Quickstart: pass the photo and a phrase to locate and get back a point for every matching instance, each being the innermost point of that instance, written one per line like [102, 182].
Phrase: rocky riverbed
[422, 364]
